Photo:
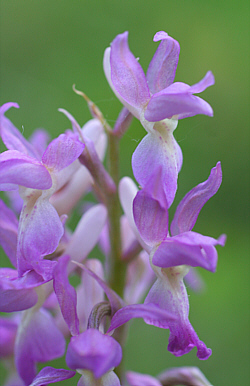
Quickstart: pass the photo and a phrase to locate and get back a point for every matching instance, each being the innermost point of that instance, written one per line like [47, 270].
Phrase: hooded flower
[40, 227]
[172, 256]
[157, 102]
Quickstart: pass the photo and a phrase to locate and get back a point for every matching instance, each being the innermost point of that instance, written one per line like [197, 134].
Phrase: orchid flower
[157, 102]
[40, 228]
[172, 256]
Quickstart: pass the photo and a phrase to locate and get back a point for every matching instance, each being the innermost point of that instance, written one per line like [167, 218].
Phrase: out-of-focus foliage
[47, 46]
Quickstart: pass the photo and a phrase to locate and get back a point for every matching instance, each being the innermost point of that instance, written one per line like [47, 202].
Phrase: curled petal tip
[160, 36]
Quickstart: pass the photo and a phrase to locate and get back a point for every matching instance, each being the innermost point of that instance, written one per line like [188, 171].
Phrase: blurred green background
[47, 46]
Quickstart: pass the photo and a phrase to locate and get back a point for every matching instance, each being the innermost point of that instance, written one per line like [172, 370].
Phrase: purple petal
[12, 137]
[155, 152]
[178, 100]
[17, 168]
[66, 295]
[39, 139]
[190, 206]
[8, 329]
[150, 210]
[115, 301]
[127, 76]
[194, 280]
[62, 151]
[40, 231]
[38, 340]
[150, 312]
[50, 375]
[169, 293]
[93, 351]
[136, 379]
[162, 68]
[8, 232]
[188, 248]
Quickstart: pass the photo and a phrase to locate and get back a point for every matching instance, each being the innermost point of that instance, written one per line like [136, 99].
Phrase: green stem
[117, 266]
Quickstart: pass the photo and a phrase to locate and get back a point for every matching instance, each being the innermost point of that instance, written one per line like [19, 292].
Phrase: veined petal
[88, 379]
[148, 311]
[50, 375]
[66, 295]
[20, 169]
[162, 68]
[126, 75]
[188, 248]
[190, 206]
[38, 340]
[40, 230]
[62, 151]
[158, 150]
[91, 350]
[12, 137]
[168, 103]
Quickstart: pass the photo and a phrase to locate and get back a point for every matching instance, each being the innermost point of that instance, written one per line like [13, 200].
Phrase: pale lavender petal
[40, 231]
[62, 151]
[148, 311]
[206, 82]
[150, 210]
[127, 75]
[189, 376]
[162, 68]
[93, 351]
[169, 102]
[14, 380]
[20, 169]
[39, 139]
[89, 292]
[194, 280]
[190, 206]
[38, 340]
[12, 137]
[86, 234]
[8, 232]
[136, 379]
[115, 301]
[108, 379]
[188, 248]
[169, 293]
[66, 295]
[51, 375]
[139, 278]
[154, 152]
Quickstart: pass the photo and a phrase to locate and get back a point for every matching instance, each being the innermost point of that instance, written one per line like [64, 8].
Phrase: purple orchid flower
[157, 102]
[40, 227]
[171, 257]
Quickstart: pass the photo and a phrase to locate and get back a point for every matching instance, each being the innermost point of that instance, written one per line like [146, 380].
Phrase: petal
[91, 350]
[162, 68]
[50, 375]
[17, 168]
[108, 379]
[66, 295]
[169, 293]
[188, 248]
[38, 340]
[125, 75]
[40, 231]
[206, 82]
[190, 206]
[150, 210]
[12, 137]
[8, 329]
[39, 139]
[62, 151]
[189, 376]
[148, 311]
[8, 232]
[156, 151]
[136, 379]
[115, 301]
